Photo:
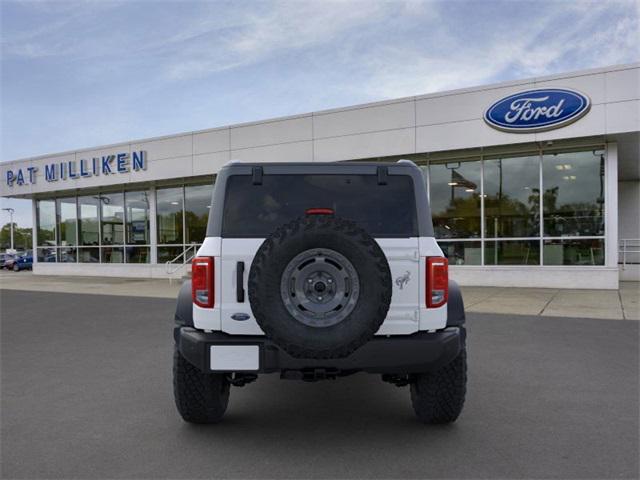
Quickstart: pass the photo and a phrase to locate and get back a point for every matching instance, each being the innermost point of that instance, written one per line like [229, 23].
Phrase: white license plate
[231, 358]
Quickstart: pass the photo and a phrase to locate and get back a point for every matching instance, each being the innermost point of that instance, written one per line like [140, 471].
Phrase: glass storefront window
[573, 198]
[137, 254]
[112, 218]
[512, 197]
[67, 222]
[67, 254]
[112, 254]
[89, 255]
[88, 227]
[46, 254]
[166, 254]
[46, 217]
[573, 252]
[169, 218]
[115, 227]
[455, 199]
[197, 200]
[137, 218]
[462, 253]
[512, 252]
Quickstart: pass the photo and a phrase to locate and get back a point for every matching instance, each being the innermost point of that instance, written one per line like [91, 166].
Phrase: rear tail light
[437, 281]
[202, 281]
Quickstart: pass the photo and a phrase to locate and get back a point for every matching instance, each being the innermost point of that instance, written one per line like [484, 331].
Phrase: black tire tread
[438, 397]
[200, 397]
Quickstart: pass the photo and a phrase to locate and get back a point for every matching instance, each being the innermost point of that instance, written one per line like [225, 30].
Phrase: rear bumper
[420, 352]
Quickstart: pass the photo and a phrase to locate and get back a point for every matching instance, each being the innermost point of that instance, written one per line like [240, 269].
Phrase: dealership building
[533, 183]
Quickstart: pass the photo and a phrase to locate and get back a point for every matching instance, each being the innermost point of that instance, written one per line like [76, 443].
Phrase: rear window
[257, 210]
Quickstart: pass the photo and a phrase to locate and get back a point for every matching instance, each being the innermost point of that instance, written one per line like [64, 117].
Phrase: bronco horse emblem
[403, 280]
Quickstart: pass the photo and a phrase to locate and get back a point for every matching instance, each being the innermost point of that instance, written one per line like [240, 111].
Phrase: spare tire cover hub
[320, 287]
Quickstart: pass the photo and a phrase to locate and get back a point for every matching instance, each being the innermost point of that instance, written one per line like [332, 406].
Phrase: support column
[611, 205]
[153, 226]
[34, 230]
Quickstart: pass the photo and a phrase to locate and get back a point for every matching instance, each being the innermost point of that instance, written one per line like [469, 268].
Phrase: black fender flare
[455, 306]
[184, 307]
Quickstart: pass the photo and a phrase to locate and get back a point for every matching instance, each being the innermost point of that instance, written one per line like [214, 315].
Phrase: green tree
[21, 237]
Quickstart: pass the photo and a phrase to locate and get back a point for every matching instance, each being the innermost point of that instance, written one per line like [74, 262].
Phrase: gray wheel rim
[320, 287]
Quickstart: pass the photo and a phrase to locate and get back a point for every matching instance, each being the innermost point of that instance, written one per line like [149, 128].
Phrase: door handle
[240, 282]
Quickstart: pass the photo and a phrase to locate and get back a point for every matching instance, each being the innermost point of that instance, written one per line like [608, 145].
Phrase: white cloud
[118, 71]
[529, 47]
[287, 26]
[365, 36]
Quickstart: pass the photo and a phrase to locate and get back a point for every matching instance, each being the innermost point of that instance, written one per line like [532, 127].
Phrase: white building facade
[532, 183]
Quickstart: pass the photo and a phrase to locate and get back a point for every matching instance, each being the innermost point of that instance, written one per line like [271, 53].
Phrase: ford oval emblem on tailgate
[241, 317]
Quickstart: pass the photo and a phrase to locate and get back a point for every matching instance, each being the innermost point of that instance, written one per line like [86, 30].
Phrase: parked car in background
[7, 260]
[23, 262]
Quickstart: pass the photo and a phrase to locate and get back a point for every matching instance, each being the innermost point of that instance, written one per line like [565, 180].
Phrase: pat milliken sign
[537, 110]
[117, 163]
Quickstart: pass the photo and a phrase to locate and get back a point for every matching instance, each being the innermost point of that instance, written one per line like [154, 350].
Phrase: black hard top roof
[382, 169]
[351, 163]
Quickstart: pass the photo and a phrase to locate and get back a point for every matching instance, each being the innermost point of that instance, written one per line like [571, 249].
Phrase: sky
[87, 73]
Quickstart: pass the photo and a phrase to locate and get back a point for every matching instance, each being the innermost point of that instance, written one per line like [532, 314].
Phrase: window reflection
[112, 255]
[574, 252]
[112, 218]
[196, 211]
[169, 206]
[88, 220]
[573, 198]
[137, 218]
[455, 199]
[462, 253]
[115, 227]
[67, 212]
[67, 255]
[512, 252]
[46, 218]
[512, 197]
[46, 254]
[137, 254]
[166, 254]
[89, 255]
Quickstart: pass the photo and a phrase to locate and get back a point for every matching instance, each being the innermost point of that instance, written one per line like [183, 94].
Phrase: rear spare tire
[320, 287]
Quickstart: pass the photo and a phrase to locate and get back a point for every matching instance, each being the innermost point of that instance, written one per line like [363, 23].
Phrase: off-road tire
[200, 397]
[322, 232]
[438, 397]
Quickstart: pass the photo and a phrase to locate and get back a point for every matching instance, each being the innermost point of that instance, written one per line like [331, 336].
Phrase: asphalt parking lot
[86, 393]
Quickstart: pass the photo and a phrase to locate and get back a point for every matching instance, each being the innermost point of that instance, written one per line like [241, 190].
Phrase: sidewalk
[606, 304]
[134, 287]
[610, 304]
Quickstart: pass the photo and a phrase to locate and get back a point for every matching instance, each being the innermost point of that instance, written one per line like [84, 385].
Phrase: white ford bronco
[317, 271]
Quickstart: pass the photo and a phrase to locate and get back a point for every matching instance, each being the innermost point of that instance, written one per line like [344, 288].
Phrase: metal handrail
[183, 256]
[628, 245]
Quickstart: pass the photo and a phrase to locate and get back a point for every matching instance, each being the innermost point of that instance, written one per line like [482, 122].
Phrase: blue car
[23, 262]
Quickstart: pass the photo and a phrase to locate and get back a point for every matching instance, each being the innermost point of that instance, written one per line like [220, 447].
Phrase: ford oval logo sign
[537, 110]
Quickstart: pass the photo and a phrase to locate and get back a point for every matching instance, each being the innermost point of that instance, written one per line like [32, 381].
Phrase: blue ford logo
[537, 110]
